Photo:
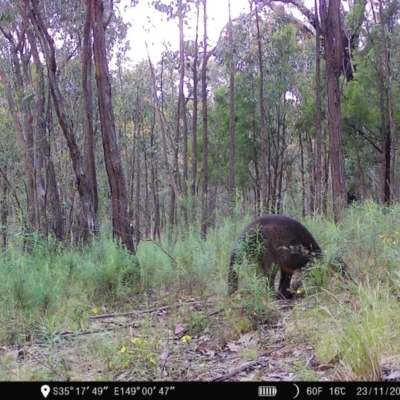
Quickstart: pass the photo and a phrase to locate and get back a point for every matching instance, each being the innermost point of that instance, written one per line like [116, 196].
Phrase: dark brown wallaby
[275, 241]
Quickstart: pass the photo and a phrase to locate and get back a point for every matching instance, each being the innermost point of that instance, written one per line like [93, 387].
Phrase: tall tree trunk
[195, 104]
[332, 30]
[146, 191]
[121, 225]
[88, 134]
[263, 137]
[392, 122]
[204, 186]
[303, 183]
[318, 179]
[138, 209]
[311, 174]
[231, 67]
[385, 132]
[4, 209]
[182, 100]
[154, 185]
[363, 189]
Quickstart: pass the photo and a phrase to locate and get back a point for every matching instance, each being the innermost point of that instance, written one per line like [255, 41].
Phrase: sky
[151, 25]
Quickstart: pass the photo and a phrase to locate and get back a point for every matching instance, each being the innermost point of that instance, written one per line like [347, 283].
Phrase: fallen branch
[150, 310]
[249, 365]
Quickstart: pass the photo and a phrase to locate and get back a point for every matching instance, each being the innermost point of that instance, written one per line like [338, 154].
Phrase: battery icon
[267, 391]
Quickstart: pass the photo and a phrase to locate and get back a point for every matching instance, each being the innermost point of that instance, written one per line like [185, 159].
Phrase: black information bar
[185, 390]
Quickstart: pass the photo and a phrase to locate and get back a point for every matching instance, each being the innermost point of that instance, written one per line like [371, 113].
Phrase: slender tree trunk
[231, 67]
[363, 189]
[318, 180]
[388, 78]
[138, 208]
[331, 27]
[121, 225]
[154, 186]
[88, 134]
[182, 102]
[386, 182]
[4, 210]
[146, 191]
[204, 190]
[263, 138]
[311, 174]
[303, 183]
[195, 105]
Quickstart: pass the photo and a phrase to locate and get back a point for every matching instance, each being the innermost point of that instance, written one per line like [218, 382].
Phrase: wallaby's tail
[233, 279]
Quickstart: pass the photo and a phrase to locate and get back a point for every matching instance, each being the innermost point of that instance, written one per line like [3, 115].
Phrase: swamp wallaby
[276, 242]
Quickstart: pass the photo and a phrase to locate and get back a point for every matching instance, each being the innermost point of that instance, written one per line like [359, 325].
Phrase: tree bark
[195, 105]
[88, 134]
[182, 101]
[263, 138]
[318, 179]
[231, 68]
[121, 225]
[385, 132]
[4, 209]
[204, 185]
[392, 122]
[332, 30]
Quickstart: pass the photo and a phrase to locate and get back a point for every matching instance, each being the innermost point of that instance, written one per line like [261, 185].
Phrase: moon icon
[298, 391]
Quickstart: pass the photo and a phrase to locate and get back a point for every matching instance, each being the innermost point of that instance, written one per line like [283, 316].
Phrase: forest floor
[270, 351]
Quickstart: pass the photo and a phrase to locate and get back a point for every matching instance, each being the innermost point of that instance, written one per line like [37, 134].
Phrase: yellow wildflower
[186, 339]
[152, 360]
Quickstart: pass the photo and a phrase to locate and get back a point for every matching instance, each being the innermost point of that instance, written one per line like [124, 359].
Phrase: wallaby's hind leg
[268, 268]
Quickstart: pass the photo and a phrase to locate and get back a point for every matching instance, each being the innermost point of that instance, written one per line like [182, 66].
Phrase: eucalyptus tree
[204, 166]
[115, 172]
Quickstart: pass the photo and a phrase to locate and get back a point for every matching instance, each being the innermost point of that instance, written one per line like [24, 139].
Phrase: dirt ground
[156, 346]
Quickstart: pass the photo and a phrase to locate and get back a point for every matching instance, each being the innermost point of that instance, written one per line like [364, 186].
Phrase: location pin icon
[45, 389]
